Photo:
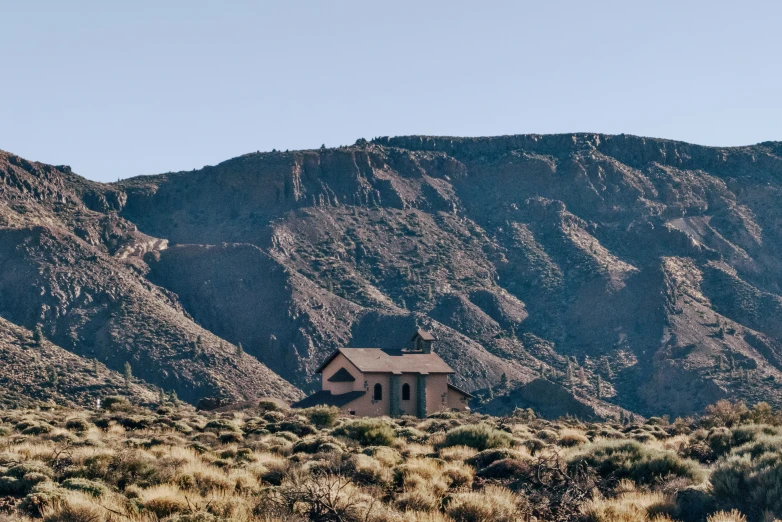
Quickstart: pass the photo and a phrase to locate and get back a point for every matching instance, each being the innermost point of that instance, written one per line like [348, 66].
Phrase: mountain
[649, 266]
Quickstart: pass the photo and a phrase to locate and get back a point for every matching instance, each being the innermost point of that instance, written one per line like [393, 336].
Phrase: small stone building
[374, 382]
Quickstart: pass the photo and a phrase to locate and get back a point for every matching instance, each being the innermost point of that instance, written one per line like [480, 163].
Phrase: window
[378, 392]
[405, 392]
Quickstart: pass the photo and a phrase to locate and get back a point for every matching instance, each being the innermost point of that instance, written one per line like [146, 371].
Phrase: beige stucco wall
[456, 400]
[408, 407]
[436, 392]
[337, 388]
[365, 406]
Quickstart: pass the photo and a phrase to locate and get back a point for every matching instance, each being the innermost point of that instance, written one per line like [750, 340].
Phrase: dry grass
[179, 466]
[632, 506]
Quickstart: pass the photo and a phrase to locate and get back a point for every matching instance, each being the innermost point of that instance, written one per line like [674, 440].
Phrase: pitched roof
[424, 335]
[377, 360]
[342, 375]
[454, 388]
[325, 398]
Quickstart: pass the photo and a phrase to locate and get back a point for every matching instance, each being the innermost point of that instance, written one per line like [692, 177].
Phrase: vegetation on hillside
[264, 464]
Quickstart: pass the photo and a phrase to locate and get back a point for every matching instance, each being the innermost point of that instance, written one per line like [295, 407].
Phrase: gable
[342, 375]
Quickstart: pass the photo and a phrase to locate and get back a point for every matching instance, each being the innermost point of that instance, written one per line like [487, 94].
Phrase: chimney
[422, 341]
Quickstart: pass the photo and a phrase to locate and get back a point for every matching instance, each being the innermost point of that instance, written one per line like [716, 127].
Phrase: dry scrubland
[175, 464]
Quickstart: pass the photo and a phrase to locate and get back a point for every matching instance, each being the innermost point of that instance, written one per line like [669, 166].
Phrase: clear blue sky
[116, 89]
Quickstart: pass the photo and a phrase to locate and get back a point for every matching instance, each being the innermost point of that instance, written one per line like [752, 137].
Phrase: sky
[118, 89]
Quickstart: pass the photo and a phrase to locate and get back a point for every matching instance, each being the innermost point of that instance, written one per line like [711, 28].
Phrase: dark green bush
[37, 429]
[115, 401]
[318, 445]
[220, 425]
[322, 416]
[367, 432]
[90, 487]
[229, 437]
[752, 484]
[77, 425]
[479, 436]
[505, 468]
[42, 496]
[486, 457]
[642, 464]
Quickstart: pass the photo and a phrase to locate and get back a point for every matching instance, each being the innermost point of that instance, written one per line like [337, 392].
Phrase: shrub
[322, 416]
[230, 437]
[719, 440]
[493, 504]
[115, 401]
[534, 445]
[642, 464]
[570, 438]
[366, 470]
[315, 444]
[42, 497]
[725, 413]
[220, 425]
[36, 429]
[634, 506]
[751, 484]
[367, 432]
[505, 468]
[266, 405]
[77, 424]
[384, 454]
[479, 436]
[549, 436]
[411, 434]
[486, 457]
[89, 487]
[727, 516]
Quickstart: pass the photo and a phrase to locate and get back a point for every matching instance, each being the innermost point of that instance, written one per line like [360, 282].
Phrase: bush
[505, 468]
[77, 425]
[230, 437]
[314, 444]
[750, 483]
[367, 432]
[322, 416]
[493, 504]
[220, 425]
[37, 429]
[568, 439]
[115, 401]
[89, 487]
[479, 436]
[266, 405]
[42, 497]
[642, 464]
[486, 457]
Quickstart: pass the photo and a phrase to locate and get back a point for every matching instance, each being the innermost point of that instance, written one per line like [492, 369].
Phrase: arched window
[378, 392]
[405, 392]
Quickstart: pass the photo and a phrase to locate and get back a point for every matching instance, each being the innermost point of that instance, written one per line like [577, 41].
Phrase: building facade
[373, 382]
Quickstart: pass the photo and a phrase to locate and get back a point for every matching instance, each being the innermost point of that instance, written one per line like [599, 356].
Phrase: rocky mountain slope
[74, 269]
[634, 272]
[36, 371]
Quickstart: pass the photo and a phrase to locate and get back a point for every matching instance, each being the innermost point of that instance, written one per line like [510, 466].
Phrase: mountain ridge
[530, 255]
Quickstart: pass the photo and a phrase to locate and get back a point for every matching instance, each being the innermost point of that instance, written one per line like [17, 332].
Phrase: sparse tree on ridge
[38, 335]
[127, 372]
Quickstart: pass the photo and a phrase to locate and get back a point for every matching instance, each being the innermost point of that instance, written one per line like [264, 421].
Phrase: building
[374, 382]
